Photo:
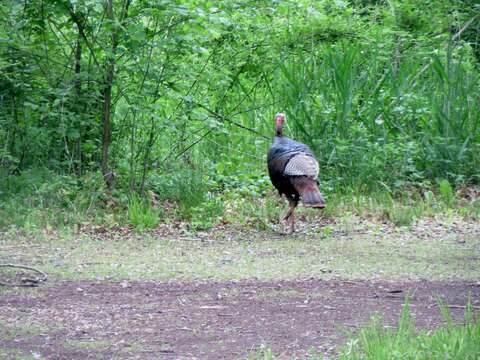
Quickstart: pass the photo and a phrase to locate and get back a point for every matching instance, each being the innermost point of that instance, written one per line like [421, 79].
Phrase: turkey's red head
[279, 119]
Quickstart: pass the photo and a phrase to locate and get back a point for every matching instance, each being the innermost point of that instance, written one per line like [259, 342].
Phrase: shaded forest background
[174, 101]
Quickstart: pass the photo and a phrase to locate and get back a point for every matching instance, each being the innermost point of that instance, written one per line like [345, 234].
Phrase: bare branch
[25, 282]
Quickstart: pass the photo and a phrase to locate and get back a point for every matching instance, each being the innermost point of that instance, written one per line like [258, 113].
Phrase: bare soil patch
[209, 320]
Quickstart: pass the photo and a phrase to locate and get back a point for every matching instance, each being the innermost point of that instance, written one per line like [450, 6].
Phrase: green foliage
[446, 191]
[141, 214]
[185, 186]
[205, 215]
[41, 198]
[386, 94]
[399, 131]
[453, 341]
[192, 193]
[400, 215]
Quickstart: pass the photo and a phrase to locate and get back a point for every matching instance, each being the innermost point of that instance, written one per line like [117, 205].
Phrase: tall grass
[380, 118]
[141, 214]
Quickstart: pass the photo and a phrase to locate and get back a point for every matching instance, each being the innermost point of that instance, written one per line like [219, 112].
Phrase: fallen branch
[25, 282]
[463, 307]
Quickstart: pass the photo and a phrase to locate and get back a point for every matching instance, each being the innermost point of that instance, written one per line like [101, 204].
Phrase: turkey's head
[279, 119]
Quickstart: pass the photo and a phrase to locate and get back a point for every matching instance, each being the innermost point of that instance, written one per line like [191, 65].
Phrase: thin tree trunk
[108, 175]
[106, 133]
[78, 92]
[107, 103]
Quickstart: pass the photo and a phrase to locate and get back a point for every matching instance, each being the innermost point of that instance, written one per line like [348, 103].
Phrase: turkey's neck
[278, 129]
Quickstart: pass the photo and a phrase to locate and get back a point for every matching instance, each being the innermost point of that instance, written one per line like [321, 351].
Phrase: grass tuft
[446, 192]
[141, 214]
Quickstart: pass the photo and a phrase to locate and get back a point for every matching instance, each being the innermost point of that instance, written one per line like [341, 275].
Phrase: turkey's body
[293, 171]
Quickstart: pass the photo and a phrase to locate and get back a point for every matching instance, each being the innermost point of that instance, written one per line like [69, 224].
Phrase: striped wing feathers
[302, 165]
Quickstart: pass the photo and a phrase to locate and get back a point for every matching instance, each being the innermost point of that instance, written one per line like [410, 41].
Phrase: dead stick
[464, 307]
[30, 281]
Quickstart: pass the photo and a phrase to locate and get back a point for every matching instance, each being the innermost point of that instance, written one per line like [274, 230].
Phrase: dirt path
[90, 320]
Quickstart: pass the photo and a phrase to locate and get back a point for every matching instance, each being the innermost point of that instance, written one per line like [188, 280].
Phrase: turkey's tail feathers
[309, 192]
[313, 199]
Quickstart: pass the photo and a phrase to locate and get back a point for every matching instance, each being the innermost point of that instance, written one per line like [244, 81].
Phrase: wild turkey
[293, 170]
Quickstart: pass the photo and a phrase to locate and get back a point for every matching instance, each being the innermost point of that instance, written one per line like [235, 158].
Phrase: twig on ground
[25, 282]
[463, 306]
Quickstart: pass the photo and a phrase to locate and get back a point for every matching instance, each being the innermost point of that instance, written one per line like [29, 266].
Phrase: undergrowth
[384, 92]
[42, 199]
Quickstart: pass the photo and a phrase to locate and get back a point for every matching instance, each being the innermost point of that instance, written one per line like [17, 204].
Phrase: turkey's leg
[292, 222]
[288, 214]
[291, 215]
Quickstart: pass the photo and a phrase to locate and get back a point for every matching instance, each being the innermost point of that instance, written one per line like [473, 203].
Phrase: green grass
[452, 341]
[88, 344]
[141, 214]
[15, 354]
[455, 341]
[446, 192]
[375, 124]
[13, 332]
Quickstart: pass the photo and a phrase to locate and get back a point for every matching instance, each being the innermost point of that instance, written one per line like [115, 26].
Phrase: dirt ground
[207, 320]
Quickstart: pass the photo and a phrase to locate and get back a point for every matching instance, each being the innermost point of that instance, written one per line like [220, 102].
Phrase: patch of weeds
[400, 215]
[446, 192]
[378, 342]
[16, 354]
[39, 198]
[452, 341]
[88, 344]
[326, 232]
[21, 331]
[207, 214]
[471, 211]
[270, 209]
[184, 186]
[347, 222]
[262, 354]
[259, 213]
[333, 205]
[141, 214]
[429, 198]
[402, 210]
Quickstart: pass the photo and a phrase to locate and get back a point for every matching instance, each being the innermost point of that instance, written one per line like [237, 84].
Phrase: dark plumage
[293, 170]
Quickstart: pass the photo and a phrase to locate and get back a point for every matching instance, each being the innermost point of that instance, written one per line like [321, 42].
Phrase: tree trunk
[106, 134]
[107, 103]
[78, 92]
[108, 174]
